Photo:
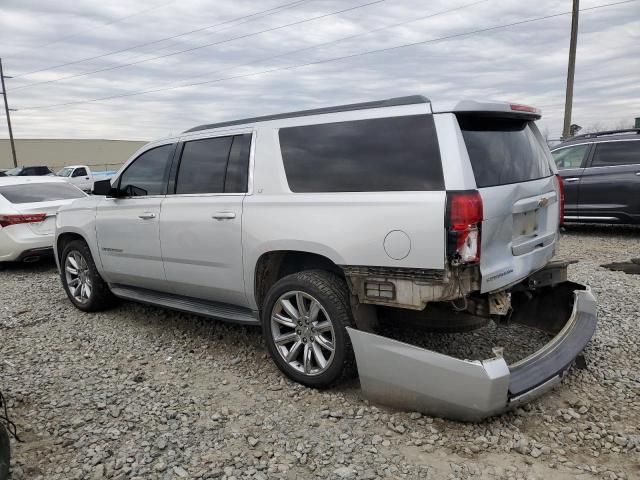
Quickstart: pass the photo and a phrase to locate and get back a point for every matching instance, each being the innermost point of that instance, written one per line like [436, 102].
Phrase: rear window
[374, 155]
[39, 192]
[503, 150]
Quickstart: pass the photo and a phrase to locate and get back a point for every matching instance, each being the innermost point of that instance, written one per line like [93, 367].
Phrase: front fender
[79, 218]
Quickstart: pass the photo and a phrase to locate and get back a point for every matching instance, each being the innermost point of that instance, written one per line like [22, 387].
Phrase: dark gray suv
[601, 173]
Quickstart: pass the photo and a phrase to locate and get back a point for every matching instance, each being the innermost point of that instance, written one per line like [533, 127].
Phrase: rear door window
[503, 150]
[214, 165]
[203, 165]
[570, 157]
[374, 155]
[616, 153]
[40, 192]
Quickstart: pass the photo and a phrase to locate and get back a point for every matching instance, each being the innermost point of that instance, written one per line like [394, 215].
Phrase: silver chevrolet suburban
[316, 224]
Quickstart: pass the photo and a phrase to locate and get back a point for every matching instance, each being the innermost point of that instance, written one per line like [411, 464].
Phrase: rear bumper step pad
[412, 378]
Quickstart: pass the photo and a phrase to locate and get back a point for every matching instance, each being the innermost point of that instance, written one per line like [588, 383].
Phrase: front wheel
[80, 278]
[304, 322]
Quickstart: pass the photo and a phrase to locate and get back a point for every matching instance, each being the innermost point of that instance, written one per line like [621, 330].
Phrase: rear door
[201, 220]
[570, 162]
[610, 185]
[513, 173]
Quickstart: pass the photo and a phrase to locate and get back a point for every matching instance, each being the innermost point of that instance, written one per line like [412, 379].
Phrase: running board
[221, 311]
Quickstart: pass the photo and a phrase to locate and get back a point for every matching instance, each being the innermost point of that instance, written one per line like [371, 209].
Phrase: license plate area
[525, 224]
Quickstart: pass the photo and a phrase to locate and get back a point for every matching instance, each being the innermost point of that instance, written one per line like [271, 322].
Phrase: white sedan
[28, 207]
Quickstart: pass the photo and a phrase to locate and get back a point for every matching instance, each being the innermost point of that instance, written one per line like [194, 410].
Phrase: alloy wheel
[78, 276]
[303, 333]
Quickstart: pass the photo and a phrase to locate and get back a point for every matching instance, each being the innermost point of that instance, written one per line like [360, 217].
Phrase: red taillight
[6, 220]
[464, 217]
[516, 107]
[561, 199]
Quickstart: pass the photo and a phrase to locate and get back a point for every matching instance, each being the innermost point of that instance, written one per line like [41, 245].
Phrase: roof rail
[606, 132]
[390, 102]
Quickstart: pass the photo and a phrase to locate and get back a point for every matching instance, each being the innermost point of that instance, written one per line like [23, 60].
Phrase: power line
[111, 22]
[140, 45]
[199, 47]
[318, 62]
[324, 44]
[349, 37]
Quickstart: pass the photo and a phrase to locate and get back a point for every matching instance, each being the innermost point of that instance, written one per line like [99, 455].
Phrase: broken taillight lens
[11, 219]
[464, 218]
[560, 199]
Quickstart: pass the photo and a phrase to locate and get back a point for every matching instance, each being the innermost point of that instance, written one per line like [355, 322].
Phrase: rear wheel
[80, 278]
[304, 322]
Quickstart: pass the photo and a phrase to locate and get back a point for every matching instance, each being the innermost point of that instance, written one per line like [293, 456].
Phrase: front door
[128, 228]
[201, 222]
[610, 184]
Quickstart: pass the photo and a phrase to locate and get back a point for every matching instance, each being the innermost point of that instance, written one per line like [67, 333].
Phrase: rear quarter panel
[348, 228]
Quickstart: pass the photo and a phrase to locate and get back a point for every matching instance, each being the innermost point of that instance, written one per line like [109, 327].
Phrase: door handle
[147, 216]
[224, 216]
[571, 179]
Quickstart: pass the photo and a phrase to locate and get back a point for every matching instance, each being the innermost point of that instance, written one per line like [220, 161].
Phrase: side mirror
[102, 187]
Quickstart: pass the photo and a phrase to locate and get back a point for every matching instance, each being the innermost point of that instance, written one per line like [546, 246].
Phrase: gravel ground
[140, 392]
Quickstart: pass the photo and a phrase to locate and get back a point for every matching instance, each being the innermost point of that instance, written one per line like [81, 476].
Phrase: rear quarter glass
[503, 150]
[373, 155]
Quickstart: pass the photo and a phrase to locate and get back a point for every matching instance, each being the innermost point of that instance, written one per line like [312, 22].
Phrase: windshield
[14, 172]
[503, 150]
[65, 172]
[40, 192]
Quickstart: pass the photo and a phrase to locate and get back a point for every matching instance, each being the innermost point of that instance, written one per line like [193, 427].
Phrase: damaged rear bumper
[412, 378]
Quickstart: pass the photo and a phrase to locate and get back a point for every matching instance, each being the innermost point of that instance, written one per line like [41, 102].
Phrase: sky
[69, 58]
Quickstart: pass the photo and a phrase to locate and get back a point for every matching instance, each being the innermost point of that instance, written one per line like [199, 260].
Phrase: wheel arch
[273, 265]
[68, 235]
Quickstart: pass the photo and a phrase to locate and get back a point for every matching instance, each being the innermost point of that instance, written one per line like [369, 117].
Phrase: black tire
[331, 292]
[5, 453]
[100, 296]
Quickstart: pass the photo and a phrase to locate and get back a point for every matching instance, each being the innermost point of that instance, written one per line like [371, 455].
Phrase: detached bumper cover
[412, 378]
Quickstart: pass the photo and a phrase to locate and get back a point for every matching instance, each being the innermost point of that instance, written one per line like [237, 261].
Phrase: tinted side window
[147, 175]
[382, 154]
[238, 167]
[80, 172]
[203, 165]
[570, 157]
[616, 153]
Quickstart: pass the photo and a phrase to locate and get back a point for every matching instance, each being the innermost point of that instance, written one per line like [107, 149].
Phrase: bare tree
[624, 124]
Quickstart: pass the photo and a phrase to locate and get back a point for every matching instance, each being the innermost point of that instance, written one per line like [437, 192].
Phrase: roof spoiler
[510, 109]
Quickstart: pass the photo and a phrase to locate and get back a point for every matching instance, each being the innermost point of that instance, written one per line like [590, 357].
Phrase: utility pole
[6, 109]
[568, 102]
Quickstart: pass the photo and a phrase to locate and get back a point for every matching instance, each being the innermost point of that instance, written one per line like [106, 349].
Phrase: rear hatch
[521, 204]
